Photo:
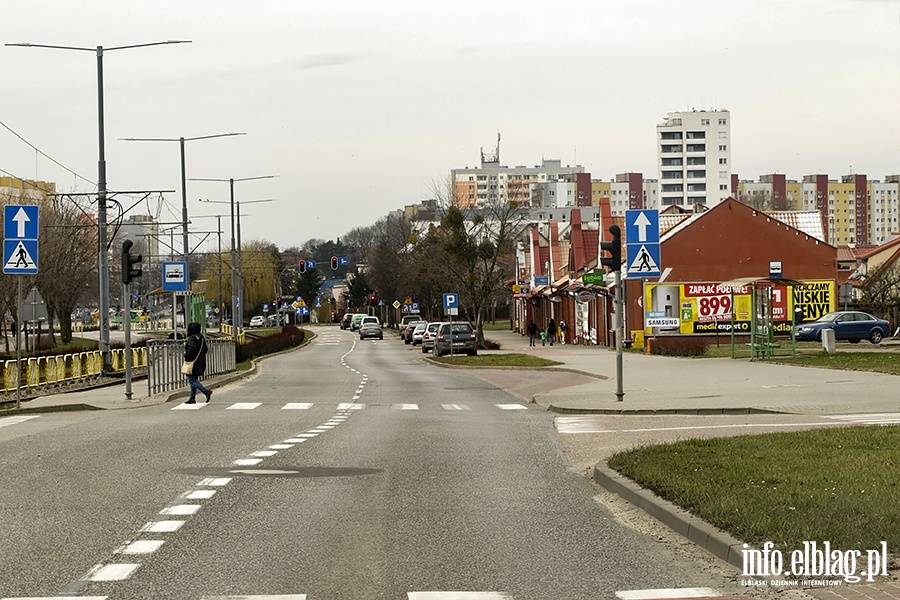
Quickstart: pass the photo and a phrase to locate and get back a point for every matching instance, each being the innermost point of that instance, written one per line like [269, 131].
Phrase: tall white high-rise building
[694, 158]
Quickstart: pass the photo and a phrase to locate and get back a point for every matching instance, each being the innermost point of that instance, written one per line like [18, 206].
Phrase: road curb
[511, 368]
[694, 529]
[568, 410]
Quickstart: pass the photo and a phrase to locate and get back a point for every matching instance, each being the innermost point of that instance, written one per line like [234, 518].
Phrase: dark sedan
[849, 325]
[371, 329]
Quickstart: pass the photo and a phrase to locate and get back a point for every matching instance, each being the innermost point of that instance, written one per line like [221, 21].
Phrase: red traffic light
[303, 266]
[334, 263]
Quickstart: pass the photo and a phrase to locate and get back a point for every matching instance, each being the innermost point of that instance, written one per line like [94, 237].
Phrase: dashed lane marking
[593, 425]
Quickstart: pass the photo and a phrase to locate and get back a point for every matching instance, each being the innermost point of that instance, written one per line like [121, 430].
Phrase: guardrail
[164, 358]
[44, 370]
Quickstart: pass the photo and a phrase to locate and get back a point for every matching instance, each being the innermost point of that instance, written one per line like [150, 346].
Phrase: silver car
[418, 332]
[371, 329]
[429, 335]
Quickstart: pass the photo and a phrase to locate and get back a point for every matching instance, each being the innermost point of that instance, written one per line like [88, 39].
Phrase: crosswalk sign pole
[19, 345]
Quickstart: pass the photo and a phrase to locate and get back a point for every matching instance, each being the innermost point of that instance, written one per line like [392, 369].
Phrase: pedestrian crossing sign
[641, 260]
[20, 257]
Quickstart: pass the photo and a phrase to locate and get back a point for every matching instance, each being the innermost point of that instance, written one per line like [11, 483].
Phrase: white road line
[667, 593]
[186, 406]
[113, 572]
[215, 481]
[57, 598]
[297, 406]
[244, 406]
[511, 406]
[306, 435]
[264, 453]
[406, 407]
[295, 440]
[199, 495]
[455, 407]
[458, 596]
[350, 406]
[162, 526]
[870, 419]
[181, 510]
[247, 462]
[242, 597]
[590, 425]
[141, 547]
[16, 420]
[281, 446]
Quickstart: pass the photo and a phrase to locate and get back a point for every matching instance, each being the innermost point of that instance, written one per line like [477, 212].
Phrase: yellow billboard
[704, 308]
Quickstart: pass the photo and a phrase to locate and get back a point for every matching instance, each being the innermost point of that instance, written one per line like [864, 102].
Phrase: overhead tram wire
[45, 155]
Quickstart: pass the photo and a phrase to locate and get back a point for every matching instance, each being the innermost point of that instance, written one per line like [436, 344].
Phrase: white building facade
[694, 158]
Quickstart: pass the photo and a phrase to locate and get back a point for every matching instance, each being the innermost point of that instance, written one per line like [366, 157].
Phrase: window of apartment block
[723, 121]
[723, 161]
[704, 121]
[723, 135]
[723, 186]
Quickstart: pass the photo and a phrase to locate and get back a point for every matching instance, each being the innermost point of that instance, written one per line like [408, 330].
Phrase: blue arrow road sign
[451, 300]
[642, 255]
[343, 260]
[20, 240]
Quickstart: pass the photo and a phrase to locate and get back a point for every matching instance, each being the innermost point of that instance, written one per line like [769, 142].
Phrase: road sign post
[20, 257]
[642, 243]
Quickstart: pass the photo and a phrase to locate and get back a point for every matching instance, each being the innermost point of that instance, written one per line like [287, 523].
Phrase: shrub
[665, 345]
[290, 337]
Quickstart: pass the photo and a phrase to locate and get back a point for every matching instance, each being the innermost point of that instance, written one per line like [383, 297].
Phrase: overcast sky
[361, 107]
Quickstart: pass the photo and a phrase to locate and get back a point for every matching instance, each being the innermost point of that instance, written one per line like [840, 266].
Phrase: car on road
[850, 325]
[417, 333]
[407, 319]
[357, 319]
[370, 328]
[406, 333]
[258, 321]
[455, 337]
[429, 335]
[346, 320]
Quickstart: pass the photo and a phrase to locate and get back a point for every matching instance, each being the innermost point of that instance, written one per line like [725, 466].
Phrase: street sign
[642, 257]
[542, 280]
[311, 264]
[318, 302]
[175, 276]
[396, 304]
[595, 277]
[451, 301]
[302, 302]
[342, 261]
[774, 269]
[20, 240]
[584, 297]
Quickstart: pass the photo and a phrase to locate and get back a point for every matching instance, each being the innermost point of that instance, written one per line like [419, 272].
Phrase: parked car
[258, 321]
[455, 337]
[418, 332]
[406, 333]
[429, 335]
[357, 319]
[850, 325]
[370, 328]
[346, 320]
[407, 319]
[274, 321]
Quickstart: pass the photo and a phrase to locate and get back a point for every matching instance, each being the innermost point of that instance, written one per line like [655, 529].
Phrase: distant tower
[694, 158]
[492, 158]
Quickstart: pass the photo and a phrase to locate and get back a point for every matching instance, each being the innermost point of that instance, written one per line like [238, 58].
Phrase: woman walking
[195, 351]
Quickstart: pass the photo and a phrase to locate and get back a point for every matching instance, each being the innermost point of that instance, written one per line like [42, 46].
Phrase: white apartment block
[492, 182]
[694, 158]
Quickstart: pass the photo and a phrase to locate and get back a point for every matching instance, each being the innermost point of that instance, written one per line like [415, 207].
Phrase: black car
[346, 321]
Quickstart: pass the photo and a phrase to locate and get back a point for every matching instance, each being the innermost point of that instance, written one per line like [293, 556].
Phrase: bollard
[828, 344]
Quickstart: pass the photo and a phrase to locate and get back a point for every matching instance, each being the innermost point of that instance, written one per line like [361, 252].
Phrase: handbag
[187, 367]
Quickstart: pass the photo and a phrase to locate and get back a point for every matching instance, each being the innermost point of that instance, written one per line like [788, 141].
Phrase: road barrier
[164, 358]
[46, 370]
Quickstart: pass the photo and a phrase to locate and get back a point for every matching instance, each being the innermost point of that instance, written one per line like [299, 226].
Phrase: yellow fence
[228, 330]
[45, 370]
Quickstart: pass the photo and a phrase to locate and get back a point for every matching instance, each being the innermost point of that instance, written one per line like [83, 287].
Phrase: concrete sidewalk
[664, 385]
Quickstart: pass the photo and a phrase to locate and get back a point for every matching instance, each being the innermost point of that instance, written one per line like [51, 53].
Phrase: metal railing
[164, 358]
[46, 370]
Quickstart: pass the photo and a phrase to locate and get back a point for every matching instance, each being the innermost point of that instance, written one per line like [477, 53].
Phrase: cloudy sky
[360, 107]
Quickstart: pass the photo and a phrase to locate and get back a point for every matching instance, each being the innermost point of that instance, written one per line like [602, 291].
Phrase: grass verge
[841, 485]
[498, 360]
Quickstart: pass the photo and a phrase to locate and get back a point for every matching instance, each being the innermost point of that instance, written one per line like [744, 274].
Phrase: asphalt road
[345, 470]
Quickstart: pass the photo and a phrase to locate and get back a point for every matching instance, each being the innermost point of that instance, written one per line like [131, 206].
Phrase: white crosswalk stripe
[344, 406]
[7, 421]
[244, 406]
[458, 596]
[406, 407]
[455, 407]
[868, 418]
[698, 592]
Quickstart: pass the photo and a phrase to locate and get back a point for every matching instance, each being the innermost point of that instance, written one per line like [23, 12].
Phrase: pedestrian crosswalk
[114, 576]
[346, 406]
[7, 421]
[868, 418]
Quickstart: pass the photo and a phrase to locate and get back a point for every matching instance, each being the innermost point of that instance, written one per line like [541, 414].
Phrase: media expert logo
[815, 298]
[813, 565]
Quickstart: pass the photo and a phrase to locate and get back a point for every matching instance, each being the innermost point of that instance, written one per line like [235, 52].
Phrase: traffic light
[372, 300]
[614, 260]
[303, 266]
[334, 263]
[131, 263]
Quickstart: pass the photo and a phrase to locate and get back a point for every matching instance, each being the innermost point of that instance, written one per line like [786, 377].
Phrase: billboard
[704, 308]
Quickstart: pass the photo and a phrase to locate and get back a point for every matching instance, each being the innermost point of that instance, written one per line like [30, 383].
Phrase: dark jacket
[532, 328]
[195, 349]
[551, 327]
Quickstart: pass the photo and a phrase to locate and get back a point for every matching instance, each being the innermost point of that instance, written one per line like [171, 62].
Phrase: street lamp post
[235, 299]
[184, 206]
[102, 243]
